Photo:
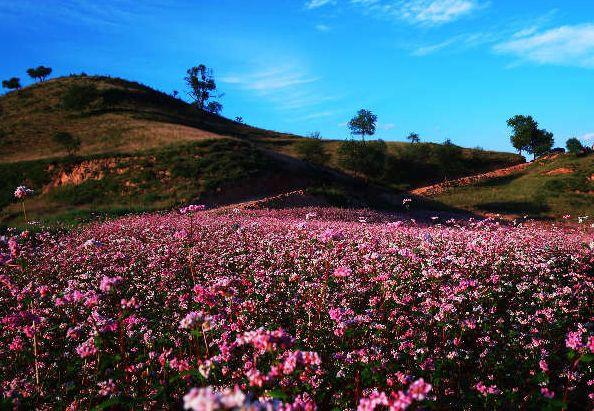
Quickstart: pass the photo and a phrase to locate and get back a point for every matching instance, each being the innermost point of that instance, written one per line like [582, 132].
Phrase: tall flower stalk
[21, 193]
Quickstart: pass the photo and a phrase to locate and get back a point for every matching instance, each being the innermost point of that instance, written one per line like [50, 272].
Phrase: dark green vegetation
[550, 187]
[575, 146]
[133, 148]
[40, 73]
[312, 149]
[69, 142]
[13, 83]
[203, 88]
[528, 137]
[421, 164]
[141, 181]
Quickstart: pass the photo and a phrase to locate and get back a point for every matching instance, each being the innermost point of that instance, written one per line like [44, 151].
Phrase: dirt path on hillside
[436, 189]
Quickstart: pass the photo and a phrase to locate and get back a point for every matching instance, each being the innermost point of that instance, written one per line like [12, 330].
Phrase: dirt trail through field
[436, 189]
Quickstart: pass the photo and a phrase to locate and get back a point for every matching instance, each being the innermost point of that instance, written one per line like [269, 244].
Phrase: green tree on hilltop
[528, 137]
[363, 124]
[40, 73]
[367, 158]
[13, 83]
[203, 87]
[574, 146]
[413, 138]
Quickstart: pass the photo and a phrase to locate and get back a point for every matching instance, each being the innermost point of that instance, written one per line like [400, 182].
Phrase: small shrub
[13, 83]
[348, 155]
[312, 149]
[450, 159]
[79, 96]
[89, 192]
[68, 142]
[574, 146]
[367, 158]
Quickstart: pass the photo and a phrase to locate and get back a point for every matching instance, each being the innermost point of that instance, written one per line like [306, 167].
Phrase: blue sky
[444, 68]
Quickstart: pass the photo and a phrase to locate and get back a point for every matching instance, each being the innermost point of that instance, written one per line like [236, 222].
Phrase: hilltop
[142, 149]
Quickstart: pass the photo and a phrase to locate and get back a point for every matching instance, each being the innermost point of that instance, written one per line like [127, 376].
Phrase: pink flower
[131, 303]
[13, 247]
[486, 390]
[107, 283]
[329, 235]
[107, 388]
[547, 393]
[206, 399]
[16, 344]
[180, 235]
[574, 340]
[193, 320]
[400, 401]
[232, 398]
[375, 399]
[193, 208]
[87, 348]
[419, 389]
[201, 399]
[23, 192]
[342, 272]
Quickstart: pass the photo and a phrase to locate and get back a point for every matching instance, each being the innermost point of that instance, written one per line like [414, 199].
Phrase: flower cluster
[23, 192]
[192, 208]
[297, 309]
[396, 401]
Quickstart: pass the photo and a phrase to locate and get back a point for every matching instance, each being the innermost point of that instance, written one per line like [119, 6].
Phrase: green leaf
[107, 403]
[555, 405]
[587, 357]
[277, 394]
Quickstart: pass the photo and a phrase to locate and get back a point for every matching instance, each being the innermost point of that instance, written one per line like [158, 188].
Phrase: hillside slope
[108, 115]
[550, 187]
[142, 149]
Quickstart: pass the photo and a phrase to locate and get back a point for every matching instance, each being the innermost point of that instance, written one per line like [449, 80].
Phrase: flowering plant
[297, 309]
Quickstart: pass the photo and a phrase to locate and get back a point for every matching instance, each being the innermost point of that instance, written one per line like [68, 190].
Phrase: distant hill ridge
[142, 149]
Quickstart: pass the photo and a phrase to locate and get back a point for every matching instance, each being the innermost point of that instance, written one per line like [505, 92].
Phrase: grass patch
[533, 191]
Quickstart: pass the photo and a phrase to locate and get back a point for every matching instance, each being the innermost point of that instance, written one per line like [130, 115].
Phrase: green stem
[24, 211]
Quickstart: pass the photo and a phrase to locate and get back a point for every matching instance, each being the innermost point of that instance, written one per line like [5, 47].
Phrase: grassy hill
[550, 187]
[142, 149]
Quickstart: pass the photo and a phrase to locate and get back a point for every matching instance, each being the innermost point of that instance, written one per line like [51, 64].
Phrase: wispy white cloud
[587, 137]
[286, 87]
[317, 115]
[270, 81]
[459, 42]
[322, 27]
[422, 12]
[438, 11]
[433, 48]
[496, 33]
[314, 4]
[81, 12]
[565, 45]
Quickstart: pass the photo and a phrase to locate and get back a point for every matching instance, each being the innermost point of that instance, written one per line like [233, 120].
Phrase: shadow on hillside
[499, 181]
[515, 207]
[298, 184]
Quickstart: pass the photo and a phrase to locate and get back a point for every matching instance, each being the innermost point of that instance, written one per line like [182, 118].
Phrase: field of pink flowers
[297, 309]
